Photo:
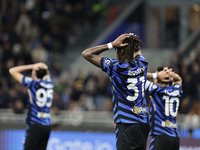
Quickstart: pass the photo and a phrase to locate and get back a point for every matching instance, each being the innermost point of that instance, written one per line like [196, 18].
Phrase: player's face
[167, 74]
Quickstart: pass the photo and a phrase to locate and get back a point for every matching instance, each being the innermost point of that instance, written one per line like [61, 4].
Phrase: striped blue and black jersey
[39, 101]
[164, 107]
[128, 82]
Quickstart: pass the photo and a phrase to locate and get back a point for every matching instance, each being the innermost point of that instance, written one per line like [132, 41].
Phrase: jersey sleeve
[106, 65]
[26, 81]
[178, 87]
[151, 87]
[141, 60]
[48, 79]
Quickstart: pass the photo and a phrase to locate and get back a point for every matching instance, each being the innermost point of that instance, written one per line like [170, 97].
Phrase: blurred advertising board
[65, 140]
[61, 140]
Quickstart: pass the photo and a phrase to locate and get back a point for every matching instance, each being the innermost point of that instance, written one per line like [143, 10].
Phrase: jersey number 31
[132, 86]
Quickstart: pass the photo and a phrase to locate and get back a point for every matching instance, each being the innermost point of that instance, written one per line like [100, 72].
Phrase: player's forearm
[152, 75]
[20, 68]
[177, 79]
[15, 72]
[92, 54]
[94, 50]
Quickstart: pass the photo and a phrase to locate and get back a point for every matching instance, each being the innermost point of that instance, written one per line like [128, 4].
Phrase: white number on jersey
[42, 95]
[169, 110]
[132, 86]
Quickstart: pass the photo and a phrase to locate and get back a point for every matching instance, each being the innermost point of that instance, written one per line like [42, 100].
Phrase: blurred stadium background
[57, 31]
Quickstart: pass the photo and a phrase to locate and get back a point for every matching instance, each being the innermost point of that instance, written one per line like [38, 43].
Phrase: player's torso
[39, 103]
[129, 104]
[163, 112]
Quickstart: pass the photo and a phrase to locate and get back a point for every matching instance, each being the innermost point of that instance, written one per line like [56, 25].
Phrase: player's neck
[127, 59]
[38, 79]
[165, 84]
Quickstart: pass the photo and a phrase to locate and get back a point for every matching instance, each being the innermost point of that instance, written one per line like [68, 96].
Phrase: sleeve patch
[107, 62]
[177, 86]
[28, 79]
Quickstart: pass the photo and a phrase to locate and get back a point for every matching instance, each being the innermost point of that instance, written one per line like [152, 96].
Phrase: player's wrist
[155, 75]
[110, 45]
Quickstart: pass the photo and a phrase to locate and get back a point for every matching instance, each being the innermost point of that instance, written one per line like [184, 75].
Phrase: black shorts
[131, 136]
[164, 142]
[37, 137]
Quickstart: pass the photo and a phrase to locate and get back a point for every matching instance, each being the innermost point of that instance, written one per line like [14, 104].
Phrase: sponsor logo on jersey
[174, 93]
[136, 72]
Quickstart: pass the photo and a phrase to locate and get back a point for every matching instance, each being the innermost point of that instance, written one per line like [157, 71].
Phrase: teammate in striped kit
[40, 90]
[165, 99]
[128, 77]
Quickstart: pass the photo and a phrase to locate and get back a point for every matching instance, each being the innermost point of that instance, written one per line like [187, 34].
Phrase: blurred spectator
[2, 97]
[189, 69]
[66, 97]
[57, 103]
[12, 97]
[18, 107]
[192, 119]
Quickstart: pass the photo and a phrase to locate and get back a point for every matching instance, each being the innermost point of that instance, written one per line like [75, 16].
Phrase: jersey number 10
[169, 103]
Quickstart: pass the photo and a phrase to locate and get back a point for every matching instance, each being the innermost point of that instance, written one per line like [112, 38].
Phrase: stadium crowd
[32, 32]
[189, 69]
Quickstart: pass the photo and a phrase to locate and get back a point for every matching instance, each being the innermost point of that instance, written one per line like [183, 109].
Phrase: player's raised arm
[176, 78]
[92, 54]
[161, 75]
[15, 72]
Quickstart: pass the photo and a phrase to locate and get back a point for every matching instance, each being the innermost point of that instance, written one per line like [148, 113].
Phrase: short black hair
[160, 68]
[41, 73]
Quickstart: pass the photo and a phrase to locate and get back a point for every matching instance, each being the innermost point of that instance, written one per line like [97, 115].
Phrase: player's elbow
[85, 54]
[11, 71]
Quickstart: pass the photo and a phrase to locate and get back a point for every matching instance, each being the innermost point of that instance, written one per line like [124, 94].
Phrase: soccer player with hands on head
[165, 93]
[40, 91]
[128, 77]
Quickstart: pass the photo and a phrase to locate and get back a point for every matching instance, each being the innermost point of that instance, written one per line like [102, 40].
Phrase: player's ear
[33, 73]
[122, 52]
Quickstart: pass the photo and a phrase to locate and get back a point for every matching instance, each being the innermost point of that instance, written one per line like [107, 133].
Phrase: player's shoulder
[140, 57]
[176, 85]
[46, 83]
[154, 86]
[108, 61]
[27, 79]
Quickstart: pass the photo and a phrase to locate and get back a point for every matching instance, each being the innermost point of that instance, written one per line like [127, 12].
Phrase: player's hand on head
[40, 65]
[171, 74]
[118, 41]
[161, 74]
